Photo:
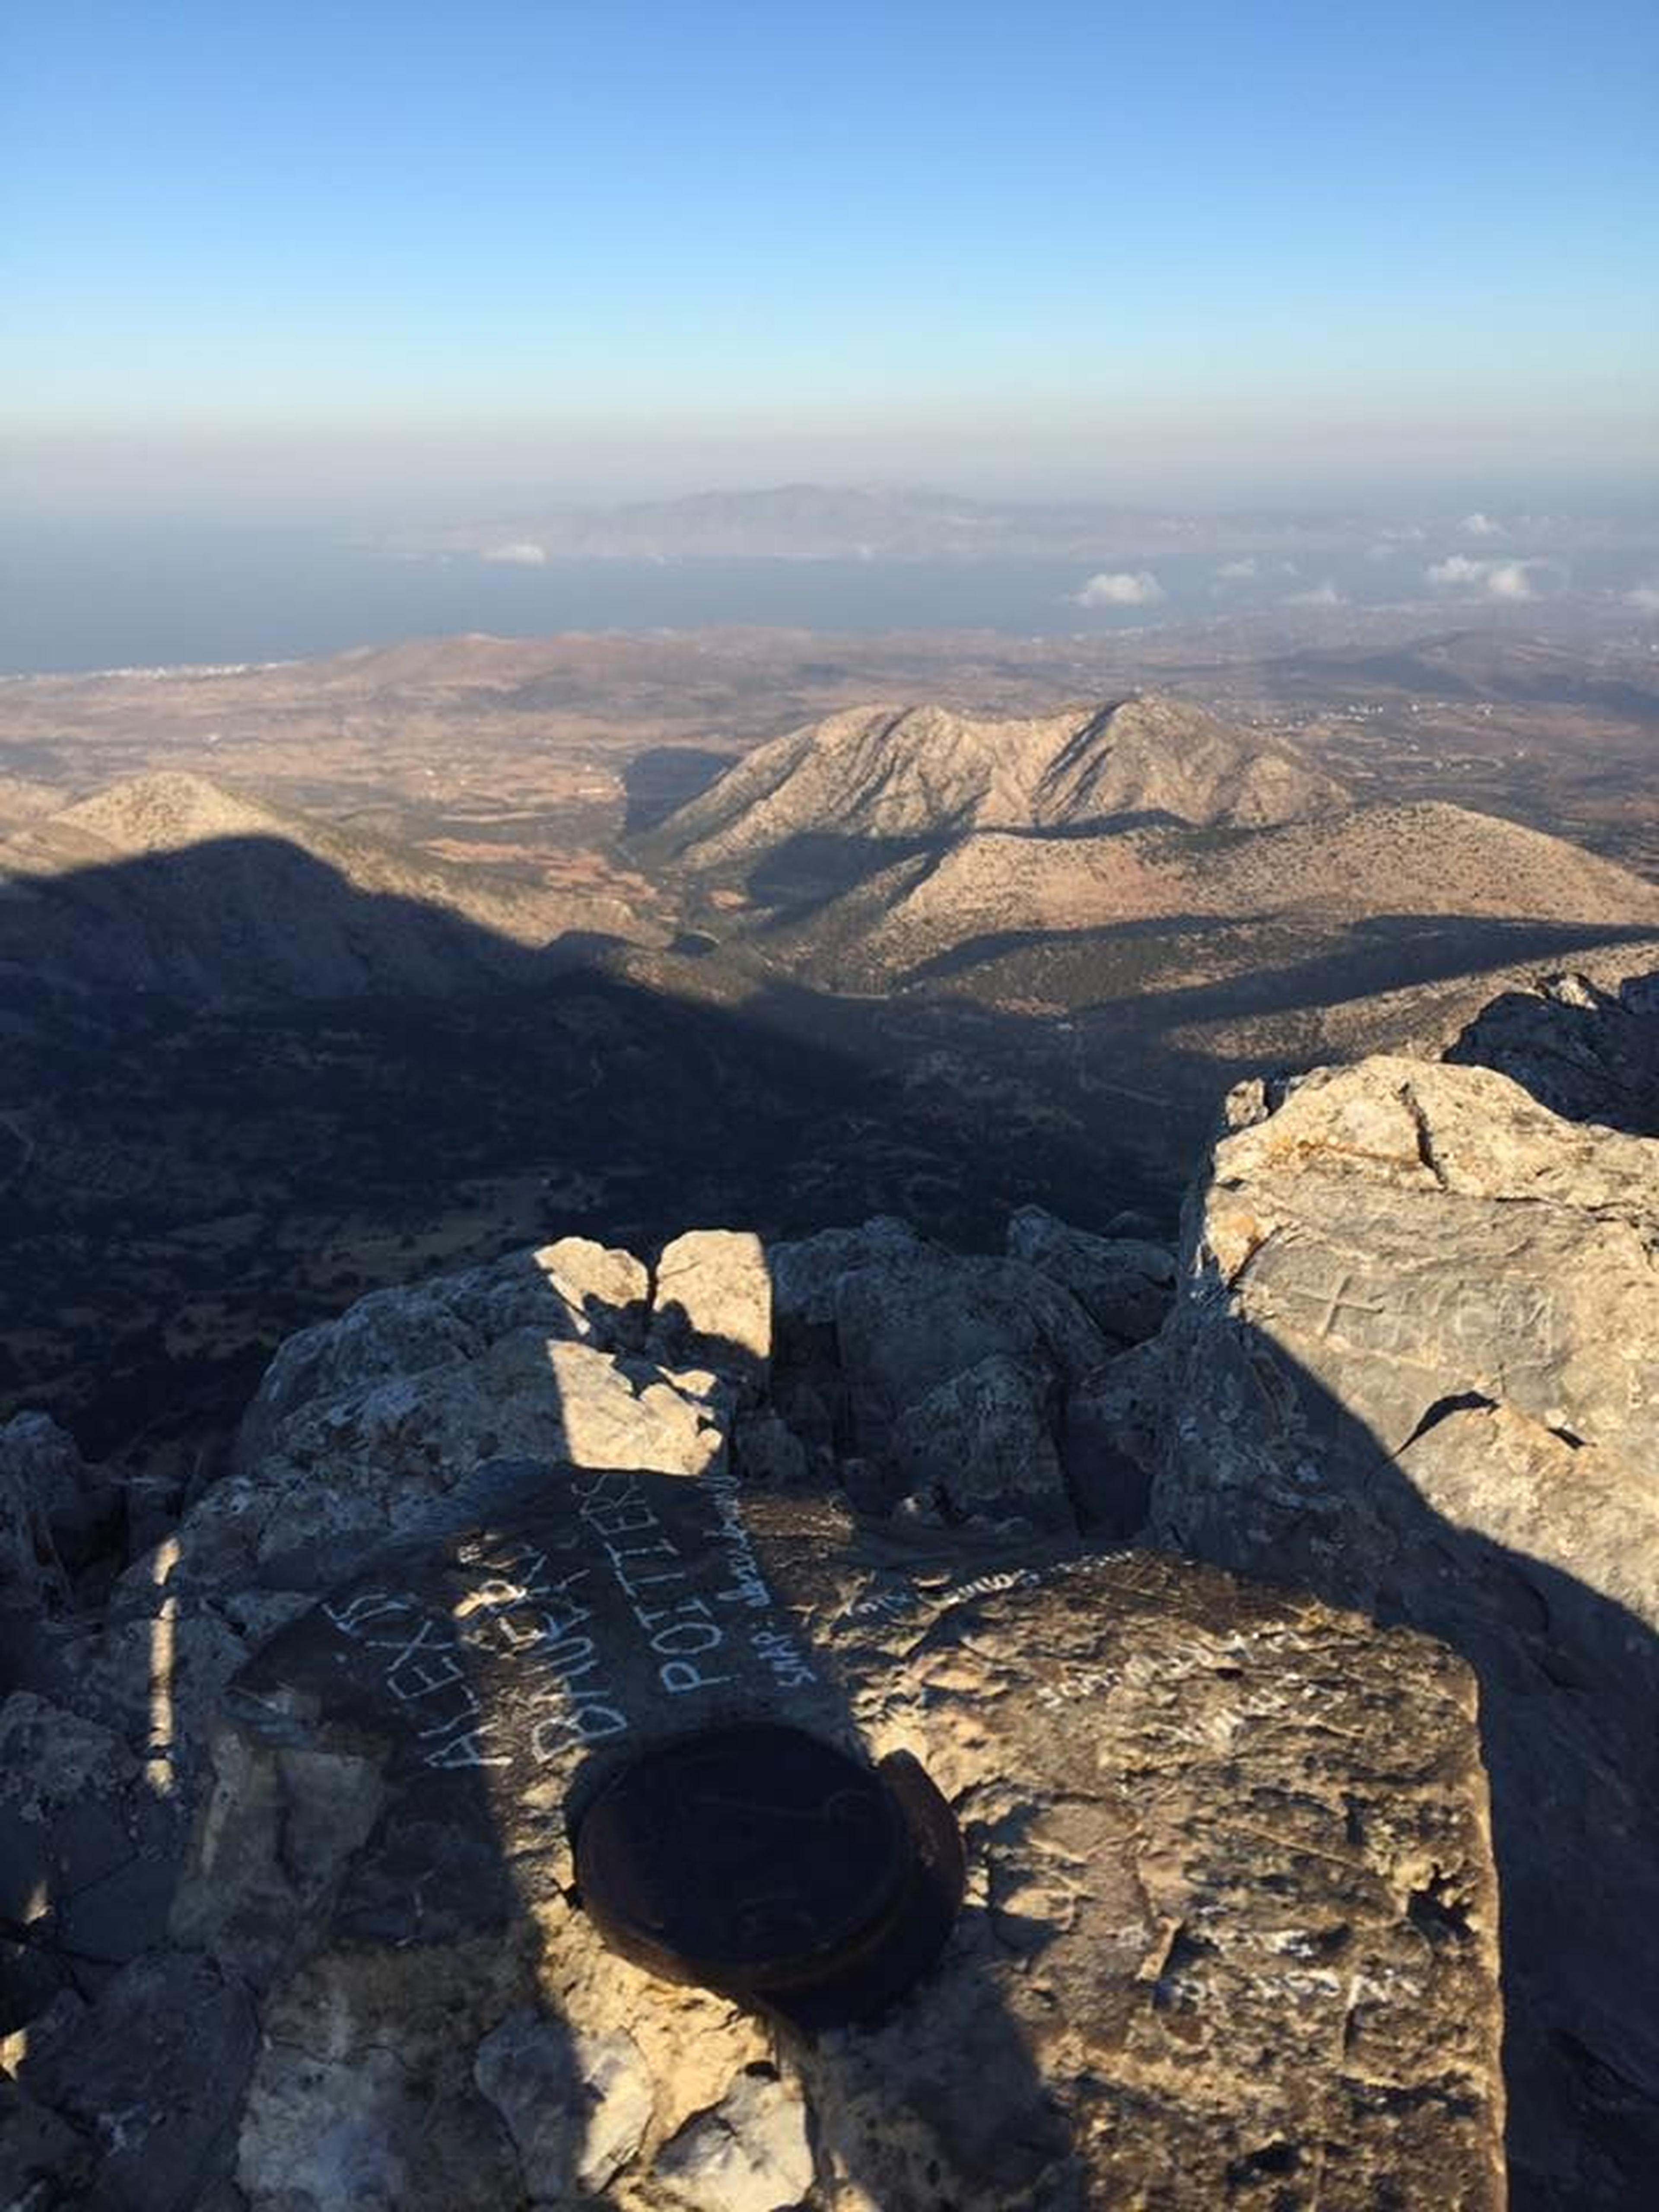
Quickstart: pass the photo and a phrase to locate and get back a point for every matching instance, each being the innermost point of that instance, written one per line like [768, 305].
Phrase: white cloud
[1456, 569]
[1237, 571]
[1120, 588]
[521, 554]
[1510, 580]
[1493, 580]
[1481, 526]
[1644, 598]
[1322, 595]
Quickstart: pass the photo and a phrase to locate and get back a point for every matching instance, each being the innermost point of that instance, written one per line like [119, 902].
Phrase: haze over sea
[76, 597]
[75, 601]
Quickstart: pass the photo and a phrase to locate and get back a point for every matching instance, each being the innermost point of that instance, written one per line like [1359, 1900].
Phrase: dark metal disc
[764, 1862]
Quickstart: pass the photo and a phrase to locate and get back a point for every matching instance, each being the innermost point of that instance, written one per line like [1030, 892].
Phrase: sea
[75, 598]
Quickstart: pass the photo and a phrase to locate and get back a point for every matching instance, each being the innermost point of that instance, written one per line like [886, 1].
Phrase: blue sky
[731, 236]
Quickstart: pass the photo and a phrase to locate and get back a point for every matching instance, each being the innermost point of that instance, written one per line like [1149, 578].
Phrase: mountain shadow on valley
[662, 779]
[240, 1092]
[811, 868]
[1376, 953]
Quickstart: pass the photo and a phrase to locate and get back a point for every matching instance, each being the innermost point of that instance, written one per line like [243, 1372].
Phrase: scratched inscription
[601, 1622]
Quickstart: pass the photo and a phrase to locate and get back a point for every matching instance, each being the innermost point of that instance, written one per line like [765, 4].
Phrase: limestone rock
[767, 1450]
[152, 2075]
[1417, 1370]
[713, 1306]
[1229, 1909]
[915, 1318]
[573, 1289]
[87, 1856]
[362, 2091]
[878, 1334]
[576, 2104]
[749, 2153]
[1125, 1285]
[50, 1504]
[1589, 1053]
[1112, 1441]
[339, 1470]
[609, 1288]
[805, 1274]
[982, 1443]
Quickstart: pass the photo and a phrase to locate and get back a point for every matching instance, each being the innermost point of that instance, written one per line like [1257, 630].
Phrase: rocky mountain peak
[294, 1790]
[164, 811]
[929, 772]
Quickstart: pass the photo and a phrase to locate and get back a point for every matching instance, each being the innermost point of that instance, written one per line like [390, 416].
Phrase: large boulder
[361, 1424]
[1125, 1285]
[307, 1789]
[1416, 1368]
[51, 1505]
[1585, 1052]
[980, 1444]
[573, 1289]
[1230, 1919]
[922, 1376]
[712, 1306]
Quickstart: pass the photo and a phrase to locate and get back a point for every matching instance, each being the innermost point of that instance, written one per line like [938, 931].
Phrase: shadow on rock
[1409, 1373]
[387, 1856]
[481, 1548]
[1587, 1053]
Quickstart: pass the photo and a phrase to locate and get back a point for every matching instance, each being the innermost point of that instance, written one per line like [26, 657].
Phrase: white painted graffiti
[526, 1605]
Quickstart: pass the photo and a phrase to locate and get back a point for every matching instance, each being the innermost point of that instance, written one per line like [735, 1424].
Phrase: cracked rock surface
[1231, 1923]
[1415, 1368]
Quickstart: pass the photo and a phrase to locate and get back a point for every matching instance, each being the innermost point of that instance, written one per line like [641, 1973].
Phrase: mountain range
[1138, 846]
[926, 773]
[1090, 856]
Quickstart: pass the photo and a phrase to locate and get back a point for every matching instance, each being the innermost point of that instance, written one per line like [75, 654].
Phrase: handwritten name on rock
[603, 1624]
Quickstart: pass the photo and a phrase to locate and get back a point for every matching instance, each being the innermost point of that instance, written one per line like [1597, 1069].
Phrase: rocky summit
[1272, 1618]
[924, 771]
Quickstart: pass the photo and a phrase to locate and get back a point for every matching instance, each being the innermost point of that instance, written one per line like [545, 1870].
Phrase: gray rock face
[152, 2076]
[361, 1425]
[1415, 1370]
[1164, 1972]
[1231, 1924]
[573, 1290]
[51, 1503]
[943, 1377]
[1586, 1053]
[87, 1851]
[980, 1444]
[1125, 1285]
[1112, 1441]
[904, 1329]
[804, 1274]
